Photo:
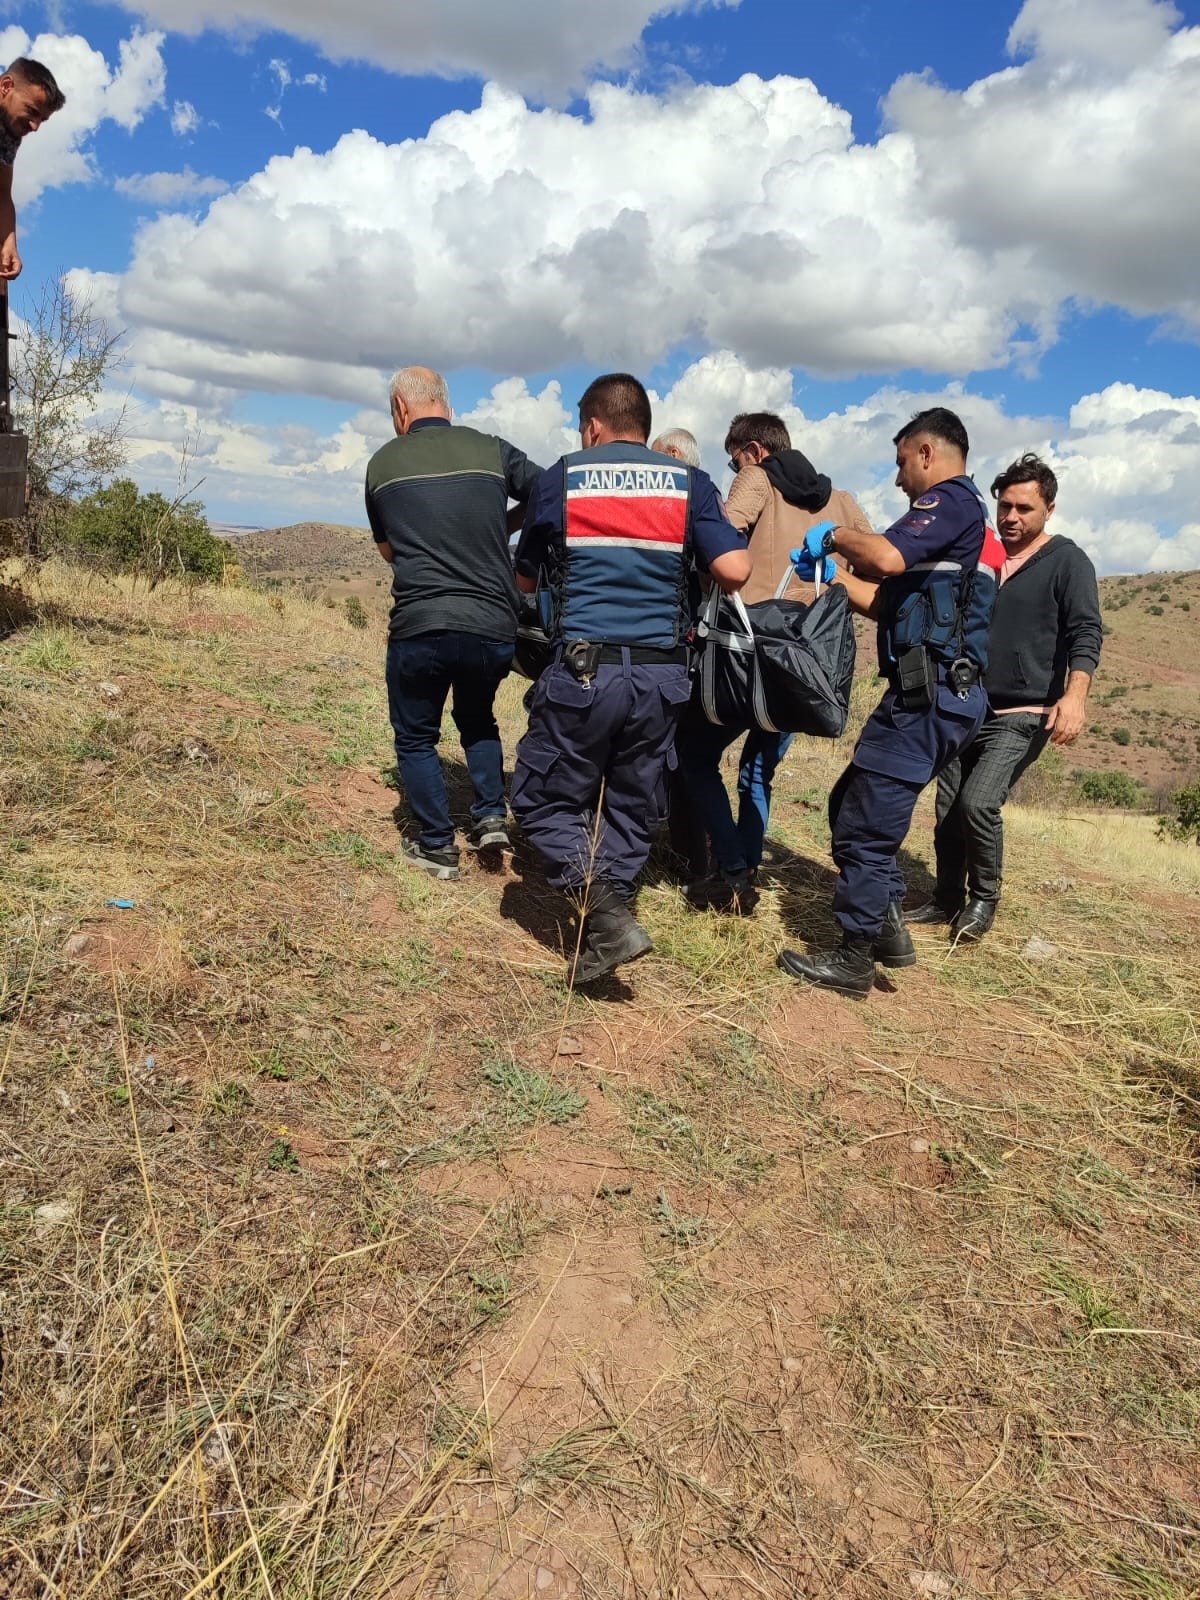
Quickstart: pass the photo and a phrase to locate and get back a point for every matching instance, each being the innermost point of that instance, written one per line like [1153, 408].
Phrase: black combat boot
[894, 946]
[974, 920]
[611, 936]
[849, 969]
[933, 911]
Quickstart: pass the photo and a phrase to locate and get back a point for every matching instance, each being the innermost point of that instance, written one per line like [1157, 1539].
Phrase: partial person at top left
[28, 95]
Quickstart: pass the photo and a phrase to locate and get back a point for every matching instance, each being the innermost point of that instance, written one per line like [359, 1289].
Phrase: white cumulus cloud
[169, 188]
[741, 216]
[540, 46]
[185, 119]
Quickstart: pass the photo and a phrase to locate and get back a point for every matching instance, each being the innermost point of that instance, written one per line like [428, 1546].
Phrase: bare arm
[862, 594]
[730, 571]
[871, 555]
[526, 585]
[516, 516]
[10, 260]
[1066, 719]
[385, 550]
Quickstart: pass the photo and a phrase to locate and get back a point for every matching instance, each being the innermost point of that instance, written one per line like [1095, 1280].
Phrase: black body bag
[533, 652]
[780, 665]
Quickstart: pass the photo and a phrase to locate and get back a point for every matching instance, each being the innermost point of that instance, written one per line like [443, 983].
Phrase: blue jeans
[700, 746]
[421, 673]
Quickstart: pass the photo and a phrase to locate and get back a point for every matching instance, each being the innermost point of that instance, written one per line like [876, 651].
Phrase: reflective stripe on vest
[626, 538]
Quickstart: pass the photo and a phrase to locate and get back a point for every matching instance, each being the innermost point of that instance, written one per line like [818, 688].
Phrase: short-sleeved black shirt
[438, 495]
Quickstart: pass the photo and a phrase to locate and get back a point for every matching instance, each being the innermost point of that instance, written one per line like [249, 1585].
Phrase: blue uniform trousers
[871, 805]
[590, 766]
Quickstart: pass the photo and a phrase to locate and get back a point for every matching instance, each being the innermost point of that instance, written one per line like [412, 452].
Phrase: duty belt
[612, 655]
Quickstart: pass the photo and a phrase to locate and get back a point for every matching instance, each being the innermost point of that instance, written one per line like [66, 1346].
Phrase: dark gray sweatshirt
[1046, 624]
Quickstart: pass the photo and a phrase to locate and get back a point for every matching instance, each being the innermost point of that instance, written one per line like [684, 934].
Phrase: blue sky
[990, 206]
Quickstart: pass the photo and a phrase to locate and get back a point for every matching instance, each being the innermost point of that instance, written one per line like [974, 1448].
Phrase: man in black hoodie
[776, 497]
[1043, 652]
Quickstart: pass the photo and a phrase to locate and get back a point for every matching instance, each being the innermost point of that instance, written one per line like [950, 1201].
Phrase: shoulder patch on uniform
[927, 502]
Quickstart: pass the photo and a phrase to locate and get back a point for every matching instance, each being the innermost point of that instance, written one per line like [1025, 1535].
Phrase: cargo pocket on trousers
[531, 774]
[676, 692]
[562, 688]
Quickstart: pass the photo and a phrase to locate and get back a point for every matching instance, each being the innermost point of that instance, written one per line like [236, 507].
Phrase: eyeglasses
[735, 465]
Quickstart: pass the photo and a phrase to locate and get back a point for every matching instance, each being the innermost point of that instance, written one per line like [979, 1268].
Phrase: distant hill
[1144, 715]
[307, 550]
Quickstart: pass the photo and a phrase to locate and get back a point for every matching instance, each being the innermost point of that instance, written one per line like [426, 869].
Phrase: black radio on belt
[916, 678]
[581, 657]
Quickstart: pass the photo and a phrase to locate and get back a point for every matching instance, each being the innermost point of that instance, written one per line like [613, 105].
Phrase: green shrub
[1110, 789]
[1121, 736]
[356, 612]
[135, 532]
[1155, 611]
[1185, 825]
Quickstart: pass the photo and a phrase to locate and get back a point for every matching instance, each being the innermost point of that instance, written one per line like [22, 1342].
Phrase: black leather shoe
[894, 946]
[974, 920]
[849, 969]
[612, 935]
[932, 911]
[735, 892]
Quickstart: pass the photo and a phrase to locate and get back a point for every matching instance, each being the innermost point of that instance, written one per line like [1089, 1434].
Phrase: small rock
[919, 1147]
[569, 1047]
[1057, 885]
[1158, 935]
[78, 945]
[65, 1101]
[106, 1456]
[853, 1152]
[385, 1047]
[557, 1560]
[110, 691]
[1040, 950]
[54, 1214]
[792, 1364]
[215, 1448]
[545, 1577]
[931, 1582]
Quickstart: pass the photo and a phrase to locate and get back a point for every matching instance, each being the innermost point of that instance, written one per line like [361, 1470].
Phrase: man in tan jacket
[777, 496]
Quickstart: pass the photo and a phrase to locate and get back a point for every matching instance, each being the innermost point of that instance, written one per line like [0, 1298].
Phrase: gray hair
[679, 442]
[420, 386]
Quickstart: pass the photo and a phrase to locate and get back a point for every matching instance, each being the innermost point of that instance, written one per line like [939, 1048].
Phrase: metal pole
[5, 380]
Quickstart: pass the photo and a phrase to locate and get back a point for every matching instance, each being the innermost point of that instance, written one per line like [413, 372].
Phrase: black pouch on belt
[916, 678]
[581, 658]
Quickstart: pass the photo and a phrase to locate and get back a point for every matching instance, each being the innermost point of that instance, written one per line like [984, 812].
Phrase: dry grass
[343, 1252]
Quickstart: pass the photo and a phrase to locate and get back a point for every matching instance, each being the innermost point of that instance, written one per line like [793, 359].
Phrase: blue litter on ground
[121, 905]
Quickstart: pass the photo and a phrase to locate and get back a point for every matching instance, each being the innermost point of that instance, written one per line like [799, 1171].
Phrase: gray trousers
[969, 839]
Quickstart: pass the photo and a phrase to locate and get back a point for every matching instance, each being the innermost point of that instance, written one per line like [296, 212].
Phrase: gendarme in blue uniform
[613, 534]
[943, 601]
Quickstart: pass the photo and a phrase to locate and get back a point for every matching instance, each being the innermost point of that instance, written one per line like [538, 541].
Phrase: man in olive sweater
[1043, 652]
[437, 502]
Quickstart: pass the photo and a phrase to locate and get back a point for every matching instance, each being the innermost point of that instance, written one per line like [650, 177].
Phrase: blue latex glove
[805, 565]
[814, 539]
